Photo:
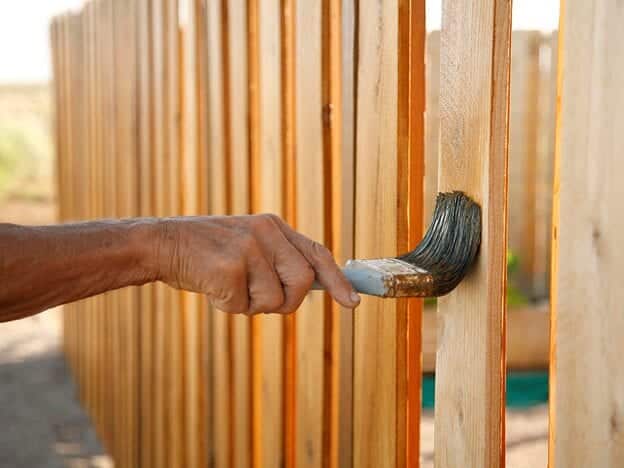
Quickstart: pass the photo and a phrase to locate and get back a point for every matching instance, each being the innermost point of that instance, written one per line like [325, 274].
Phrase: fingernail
[355, 297]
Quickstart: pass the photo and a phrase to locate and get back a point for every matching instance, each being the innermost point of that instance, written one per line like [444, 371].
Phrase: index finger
[327, 271]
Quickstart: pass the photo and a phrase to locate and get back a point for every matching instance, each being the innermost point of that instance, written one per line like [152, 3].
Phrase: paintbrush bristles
[451, 243]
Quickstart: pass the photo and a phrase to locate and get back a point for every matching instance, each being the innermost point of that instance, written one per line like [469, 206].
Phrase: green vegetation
[515, 297]
[25, 142]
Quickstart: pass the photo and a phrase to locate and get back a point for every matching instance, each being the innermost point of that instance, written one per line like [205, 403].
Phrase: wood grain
[310, 220]
[289, 186]
[270, 200]
[474, 113]
[180, 198]
[159, 200]
[127, 206]
[411, 170]
[375, 423]
[219, 188]
[146, 207]
[335, 194]
[343, 221]
[587, 378]
[240, 204]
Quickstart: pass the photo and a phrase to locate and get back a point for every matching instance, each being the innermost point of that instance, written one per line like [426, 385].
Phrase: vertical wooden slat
[432, 123]
[411, 153]
[289, 183]
[198, 449]
[343, 223]
[523, 141]
[474, 115]
[109, 210]
[180, 193]
[220, 449]
[310, 220]
[146, 207]
[126, 116]
[160, 457]
[253, 70]
[335, 195]
[270, 200]
[587, 420]
[192, 203]
[379, 440]
[240, 199]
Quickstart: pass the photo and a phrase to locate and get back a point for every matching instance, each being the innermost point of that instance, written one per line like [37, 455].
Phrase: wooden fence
[316, 111]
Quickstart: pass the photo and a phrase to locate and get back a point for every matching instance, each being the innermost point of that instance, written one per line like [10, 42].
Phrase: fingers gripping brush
[436, 266]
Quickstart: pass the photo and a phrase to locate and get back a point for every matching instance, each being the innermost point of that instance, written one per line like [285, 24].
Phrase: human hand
[247, 264]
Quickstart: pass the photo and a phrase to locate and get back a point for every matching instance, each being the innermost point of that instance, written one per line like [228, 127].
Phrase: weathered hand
[247, 264]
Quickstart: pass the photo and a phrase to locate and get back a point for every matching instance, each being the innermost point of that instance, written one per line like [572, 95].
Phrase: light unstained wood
[310, 221]
[146, 168]
[270, 192]
[127, 206]
[240, 204]
[179, 193]
[195, 201]
[221, 395]
[523, 146]
[343, 176]
[474, 109]
[160, 203]
[376, 394]
[546, 149]
[101, 365]
[89, 195]
[199, 449]
[587, 377]
[112, 345]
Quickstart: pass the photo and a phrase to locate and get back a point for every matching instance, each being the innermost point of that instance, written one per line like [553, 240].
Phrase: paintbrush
[436, 266]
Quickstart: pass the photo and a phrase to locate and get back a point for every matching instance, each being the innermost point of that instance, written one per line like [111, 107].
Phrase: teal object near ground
[524, 389]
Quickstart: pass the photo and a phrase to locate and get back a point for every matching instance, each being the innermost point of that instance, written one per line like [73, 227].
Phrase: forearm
[42, 267]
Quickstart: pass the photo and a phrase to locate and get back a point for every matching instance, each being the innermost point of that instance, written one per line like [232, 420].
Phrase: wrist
[152, 241]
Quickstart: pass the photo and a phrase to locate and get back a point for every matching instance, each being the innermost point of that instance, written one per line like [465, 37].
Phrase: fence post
[474, 112]
[587, 376]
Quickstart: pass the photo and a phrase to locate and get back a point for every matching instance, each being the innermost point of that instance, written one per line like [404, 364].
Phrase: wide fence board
[474, 110]
[587, 377]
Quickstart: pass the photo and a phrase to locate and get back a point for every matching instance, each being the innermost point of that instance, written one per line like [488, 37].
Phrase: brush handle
[361, 281]
[372, 277]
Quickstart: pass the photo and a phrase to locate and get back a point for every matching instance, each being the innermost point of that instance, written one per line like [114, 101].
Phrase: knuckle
[268, 304]
[228, 301]
[320, 252]
[263, 222]
[306, 277]
[233, 273]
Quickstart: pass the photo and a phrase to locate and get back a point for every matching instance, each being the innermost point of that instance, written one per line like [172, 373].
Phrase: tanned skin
[243, 264]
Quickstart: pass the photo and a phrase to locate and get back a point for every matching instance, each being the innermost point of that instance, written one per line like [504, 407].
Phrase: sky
[24, 30]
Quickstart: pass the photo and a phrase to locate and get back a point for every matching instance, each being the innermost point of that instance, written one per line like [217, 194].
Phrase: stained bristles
[451, 243]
